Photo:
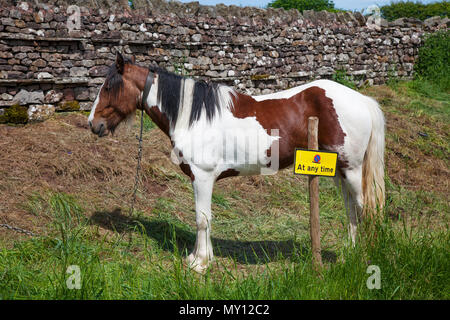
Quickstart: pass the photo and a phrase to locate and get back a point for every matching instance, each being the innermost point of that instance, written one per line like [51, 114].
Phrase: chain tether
[17, 229]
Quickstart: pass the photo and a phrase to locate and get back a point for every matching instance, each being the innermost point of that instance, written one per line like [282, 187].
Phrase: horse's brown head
[118, 97]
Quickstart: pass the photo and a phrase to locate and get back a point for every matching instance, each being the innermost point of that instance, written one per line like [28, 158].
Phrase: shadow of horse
[175, 236]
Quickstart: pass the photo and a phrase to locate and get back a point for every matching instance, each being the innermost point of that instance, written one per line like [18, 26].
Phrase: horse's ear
[133, 59]
[119, 63]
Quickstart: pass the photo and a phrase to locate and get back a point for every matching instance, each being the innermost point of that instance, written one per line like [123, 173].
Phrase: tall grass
[414, 264]
[341, 77]
[433, 63]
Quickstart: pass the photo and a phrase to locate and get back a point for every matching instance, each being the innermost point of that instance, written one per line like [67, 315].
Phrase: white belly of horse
[226, 143]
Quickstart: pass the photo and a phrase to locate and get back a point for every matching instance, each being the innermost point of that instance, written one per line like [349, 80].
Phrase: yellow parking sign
[315, 163]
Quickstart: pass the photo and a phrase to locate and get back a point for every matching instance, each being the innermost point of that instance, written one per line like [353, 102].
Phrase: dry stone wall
[48, 63]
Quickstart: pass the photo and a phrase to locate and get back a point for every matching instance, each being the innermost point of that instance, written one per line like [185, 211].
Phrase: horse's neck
[160, 113]
[183, 115]
[159, 118]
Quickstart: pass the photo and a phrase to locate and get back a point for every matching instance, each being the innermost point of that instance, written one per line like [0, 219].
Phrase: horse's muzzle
[99, 128]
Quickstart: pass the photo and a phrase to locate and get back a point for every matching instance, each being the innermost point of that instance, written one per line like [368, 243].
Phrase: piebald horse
[217, 132]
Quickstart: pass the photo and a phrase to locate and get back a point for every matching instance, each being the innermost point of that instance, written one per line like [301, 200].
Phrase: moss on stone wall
[16, 114]
[69, 106]
[260, 77]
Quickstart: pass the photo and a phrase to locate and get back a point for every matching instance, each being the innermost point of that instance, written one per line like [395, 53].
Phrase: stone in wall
[24, 97]
[53, 96]
[40, 112]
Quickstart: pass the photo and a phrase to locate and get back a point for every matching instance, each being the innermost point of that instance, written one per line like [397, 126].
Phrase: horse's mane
[114, 81]
[169, 91]
[206, 96]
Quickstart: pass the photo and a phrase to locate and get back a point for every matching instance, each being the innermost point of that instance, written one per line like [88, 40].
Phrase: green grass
[433, 61]
[427, 100]
[341, 77]
[147, 123]
[414, 262]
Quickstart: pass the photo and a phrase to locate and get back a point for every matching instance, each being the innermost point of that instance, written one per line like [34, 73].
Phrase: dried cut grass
[412, 160]
[62, 155]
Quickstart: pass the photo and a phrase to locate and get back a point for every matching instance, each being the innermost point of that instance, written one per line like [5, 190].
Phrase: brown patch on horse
[159, 119]
[228, 173]
[187, 170]
[183, 165]
[290, 116]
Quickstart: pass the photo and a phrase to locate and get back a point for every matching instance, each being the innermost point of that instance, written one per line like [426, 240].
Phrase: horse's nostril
[101, 130]
[90, 124]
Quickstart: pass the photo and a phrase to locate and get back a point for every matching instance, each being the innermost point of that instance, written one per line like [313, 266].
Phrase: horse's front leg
[202, 255]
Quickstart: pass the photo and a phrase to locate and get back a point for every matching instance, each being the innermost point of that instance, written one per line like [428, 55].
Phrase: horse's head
[118, 97]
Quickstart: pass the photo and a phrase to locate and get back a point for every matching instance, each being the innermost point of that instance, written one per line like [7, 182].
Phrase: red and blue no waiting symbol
[316, 158]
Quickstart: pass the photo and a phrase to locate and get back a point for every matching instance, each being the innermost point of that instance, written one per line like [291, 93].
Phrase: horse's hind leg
[202, 254]
[352, 190]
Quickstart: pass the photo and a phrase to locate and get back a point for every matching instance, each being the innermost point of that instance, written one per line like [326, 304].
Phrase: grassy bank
[260, 227]
[414, 264]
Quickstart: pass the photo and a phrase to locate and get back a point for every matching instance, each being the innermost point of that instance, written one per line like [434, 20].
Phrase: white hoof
[197, 264]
